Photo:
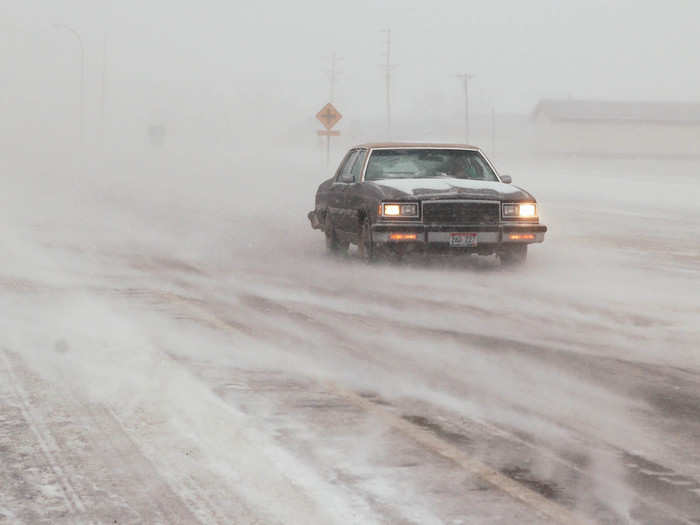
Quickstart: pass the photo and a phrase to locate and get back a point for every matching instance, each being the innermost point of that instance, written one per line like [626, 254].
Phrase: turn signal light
[403, 236]
[521, 236]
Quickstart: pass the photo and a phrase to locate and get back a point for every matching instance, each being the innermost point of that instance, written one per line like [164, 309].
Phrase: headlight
[398, 209]
[525, 210]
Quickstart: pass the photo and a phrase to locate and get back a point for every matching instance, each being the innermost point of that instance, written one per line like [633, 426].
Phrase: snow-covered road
[175, 347]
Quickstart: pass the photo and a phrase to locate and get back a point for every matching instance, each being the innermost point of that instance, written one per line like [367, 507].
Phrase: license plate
[463, 240]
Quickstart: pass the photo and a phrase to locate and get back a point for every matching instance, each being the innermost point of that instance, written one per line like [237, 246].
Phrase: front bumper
[493, 236]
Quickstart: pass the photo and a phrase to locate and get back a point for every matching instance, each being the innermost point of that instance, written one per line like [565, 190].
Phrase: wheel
[515, 255]
[366, 247]
[334, 245]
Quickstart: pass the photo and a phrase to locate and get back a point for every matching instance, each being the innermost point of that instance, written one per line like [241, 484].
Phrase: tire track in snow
[117, 482]
[46, 441]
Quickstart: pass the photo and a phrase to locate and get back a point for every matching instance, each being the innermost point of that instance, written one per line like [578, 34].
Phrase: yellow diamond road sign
[329, 116]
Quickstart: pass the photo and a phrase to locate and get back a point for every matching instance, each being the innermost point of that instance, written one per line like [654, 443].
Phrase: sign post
[329, 117]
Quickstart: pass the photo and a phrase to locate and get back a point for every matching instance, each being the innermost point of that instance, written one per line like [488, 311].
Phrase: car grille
[436, 212]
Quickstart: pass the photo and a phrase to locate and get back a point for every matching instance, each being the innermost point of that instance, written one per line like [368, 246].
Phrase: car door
[336, 194]
[354, 201]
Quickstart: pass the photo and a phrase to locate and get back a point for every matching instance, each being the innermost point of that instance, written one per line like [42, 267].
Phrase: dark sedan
[397, 198]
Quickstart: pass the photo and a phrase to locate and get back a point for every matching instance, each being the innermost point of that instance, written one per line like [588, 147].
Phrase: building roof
[678, 113]
[399, 145]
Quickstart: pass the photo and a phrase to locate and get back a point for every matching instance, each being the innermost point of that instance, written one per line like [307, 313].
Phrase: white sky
[268, 56]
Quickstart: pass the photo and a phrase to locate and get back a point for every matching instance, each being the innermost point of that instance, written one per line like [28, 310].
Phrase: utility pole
[82, 76]
[466, 77]
[103, 95]
[388, 67]
[332, 73]
[493, 133]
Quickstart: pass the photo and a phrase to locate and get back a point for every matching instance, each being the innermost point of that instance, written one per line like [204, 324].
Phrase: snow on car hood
[449, 187]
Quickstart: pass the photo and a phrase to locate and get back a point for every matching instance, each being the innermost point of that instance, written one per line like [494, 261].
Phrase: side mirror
[506, 179]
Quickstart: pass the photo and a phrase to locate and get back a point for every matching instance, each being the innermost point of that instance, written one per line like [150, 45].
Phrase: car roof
[372, 145]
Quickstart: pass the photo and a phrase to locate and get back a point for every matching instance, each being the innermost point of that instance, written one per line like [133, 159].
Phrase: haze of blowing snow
[177, 346]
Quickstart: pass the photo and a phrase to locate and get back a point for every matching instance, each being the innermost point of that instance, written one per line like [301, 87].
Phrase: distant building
[617, 129]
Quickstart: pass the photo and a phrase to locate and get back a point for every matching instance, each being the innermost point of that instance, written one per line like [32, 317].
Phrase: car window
[359, 164]
[346, 171]
[343, 164]
[428, 163]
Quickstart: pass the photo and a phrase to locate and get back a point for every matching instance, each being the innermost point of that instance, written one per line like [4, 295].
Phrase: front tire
[334, 246]
[514, 255]
[366, 246]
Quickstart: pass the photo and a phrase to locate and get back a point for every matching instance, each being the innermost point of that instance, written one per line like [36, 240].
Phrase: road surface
[176, 347]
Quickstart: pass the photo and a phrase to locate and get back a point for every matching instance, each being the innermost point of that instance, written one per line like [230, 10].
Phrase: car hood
[443, 188]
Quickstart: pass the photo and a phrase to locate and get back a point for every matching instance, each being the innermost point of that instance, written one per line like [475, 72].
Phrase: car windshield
[428, 163]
